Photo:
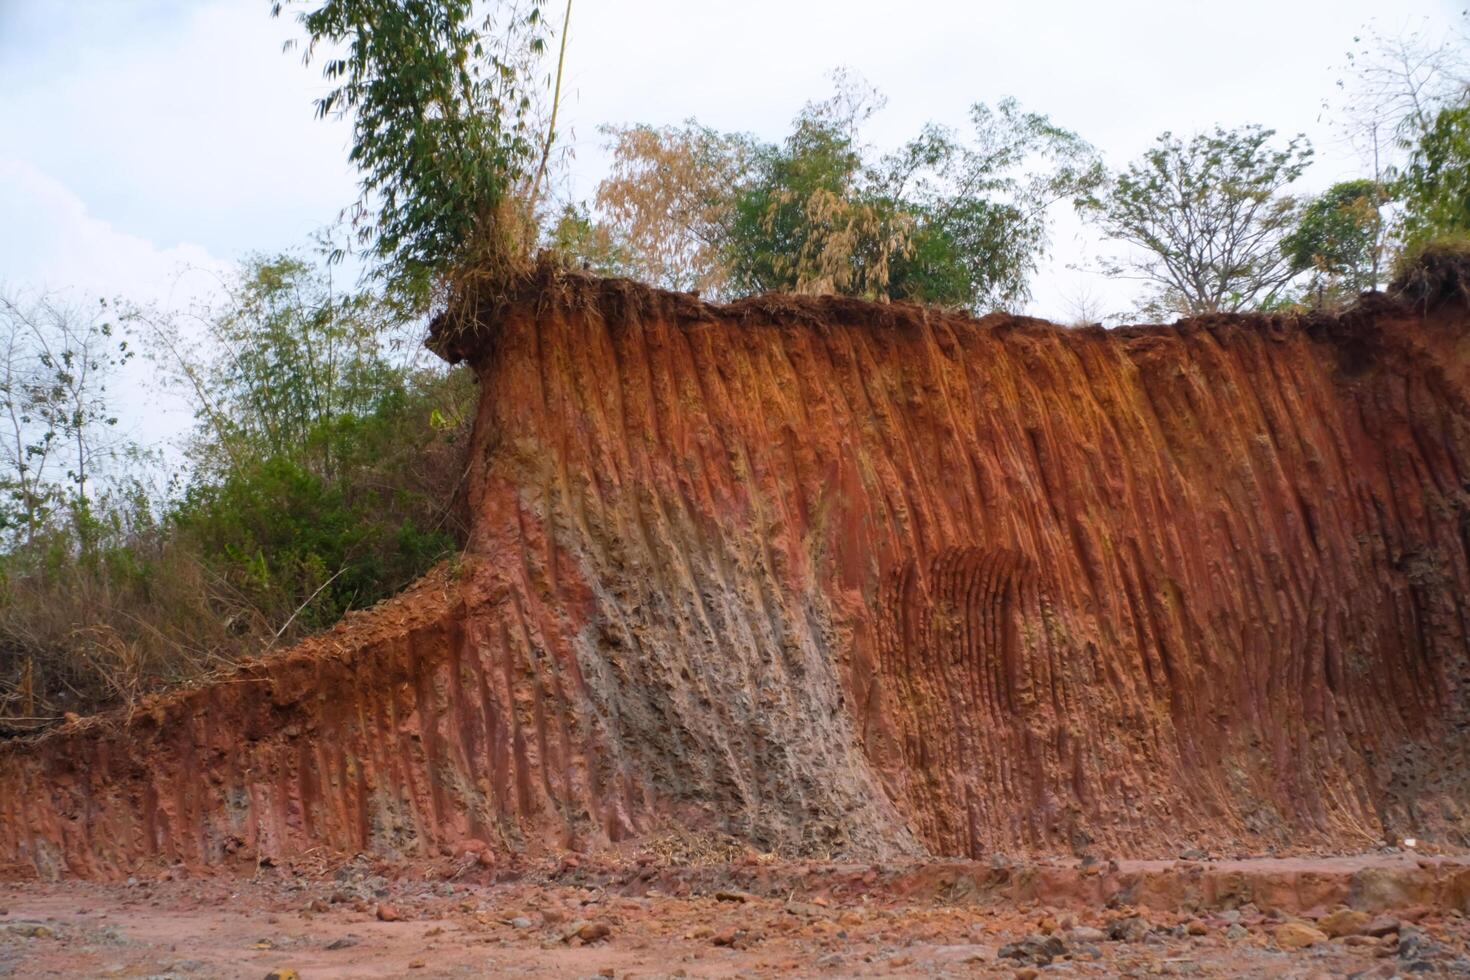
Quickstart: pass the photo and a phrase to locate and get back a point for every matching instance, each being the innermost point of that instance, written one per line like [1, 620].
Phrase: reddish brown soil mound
[849, 579]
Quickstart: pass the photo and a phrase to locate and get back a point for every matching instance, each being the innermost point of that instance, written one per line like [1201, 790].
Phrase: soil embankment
[846, 579]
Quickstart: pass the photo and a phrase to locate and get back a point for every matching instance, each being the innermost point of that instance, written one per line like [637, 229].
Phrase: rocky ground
[665, 915]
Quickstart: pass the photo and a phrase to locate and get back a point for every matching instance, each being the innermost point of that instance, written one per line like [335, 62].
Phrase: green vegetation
[323, 478]
[444, 130]
[1339, 240]
[942, 219]
[1435, 186]
[1205, 218]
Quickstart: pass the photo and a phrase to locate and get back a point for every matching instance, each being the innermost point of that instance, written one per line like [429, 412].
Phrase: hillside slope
[841, 578]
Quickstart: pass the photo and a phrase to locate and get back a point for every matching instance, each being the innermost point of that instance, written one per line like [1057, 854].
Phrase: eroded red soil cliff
[851, 579]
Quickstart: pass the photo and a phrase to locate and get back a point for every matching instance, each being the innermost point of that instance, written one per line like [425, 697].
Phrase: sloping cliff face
[849, 579]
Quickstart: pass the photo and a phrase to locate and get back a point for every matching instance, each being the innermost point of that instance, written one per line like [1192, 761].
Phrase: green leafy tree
[1205, 219]
[943, 220]
[1339, 239]
[444, 130]
[1435, 185]
[980, 207]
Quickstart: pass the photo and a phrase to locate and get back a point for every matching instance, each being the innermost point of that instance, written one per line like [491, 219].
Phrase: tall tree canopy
[944, 218]
[1339, 239]
[443, 134]
[1205, 219]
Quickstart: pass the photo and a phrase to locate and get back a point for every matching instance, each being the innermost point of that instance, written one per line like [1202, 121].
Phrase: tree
[981, 207]
[809, 220]
[1395, 87]
[1339, 239]
[668, 199]
[1206, 219]
[443, 129]
[942, 220]
[56, 363]
[1435, 185]
[286, 359]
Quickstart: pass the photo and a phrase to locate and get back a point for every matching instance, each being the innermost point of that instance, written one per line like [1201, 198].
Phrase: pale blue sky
[141, 137]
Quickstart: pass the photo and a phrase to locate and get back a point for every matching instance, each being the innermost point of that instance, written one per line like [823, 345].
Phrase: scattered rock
[1343, 922]
[1380, 926]
[1085, 934]
[344, 942]
[1036, 949]
[33, 931]
[592, 932]
[1132, 929]
[1298, 935]
[732, 938]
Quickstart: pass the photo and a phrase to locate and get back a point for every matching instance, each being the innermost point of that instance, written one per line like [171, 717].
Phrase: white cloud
[54, 243]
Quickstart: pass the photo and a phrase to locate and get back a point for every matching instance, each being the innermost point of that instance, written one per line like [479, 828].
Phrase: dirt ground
[751, 917]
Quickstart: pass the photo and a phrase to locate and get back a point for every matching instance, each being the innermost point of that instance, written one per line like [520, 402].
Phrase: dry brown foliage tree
[667, 201]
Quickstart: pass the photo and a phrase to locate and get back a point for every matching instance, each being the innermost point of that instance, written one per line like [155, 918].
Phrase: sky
[148, 145]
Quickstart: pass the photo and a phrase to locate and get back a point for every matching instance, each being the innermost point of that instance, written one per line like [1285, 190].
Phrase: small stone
[344, 942]
[283, 974]
[317, 905]
[1380, 926]
[415, 964]
[1236, 931]
[593, 932]
[1037, 950]
[1196, 928]
[1027, 973]
[389, 913]
[1343, 922]
[1131, 929]
[1085, 934]
[1298, 935]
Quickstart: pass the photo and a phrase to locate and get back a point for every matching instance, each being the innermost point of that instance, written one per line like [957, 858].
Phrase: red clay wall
[844, 578]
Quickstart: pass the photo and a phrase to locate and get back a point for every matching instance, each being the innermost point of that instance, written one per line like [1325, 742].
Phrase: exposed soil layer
[846, 579]
[636, 915]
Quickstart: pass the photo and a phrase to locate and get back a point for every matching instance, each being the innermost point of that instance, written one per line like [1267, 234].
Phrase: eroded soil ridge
[859, 580]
